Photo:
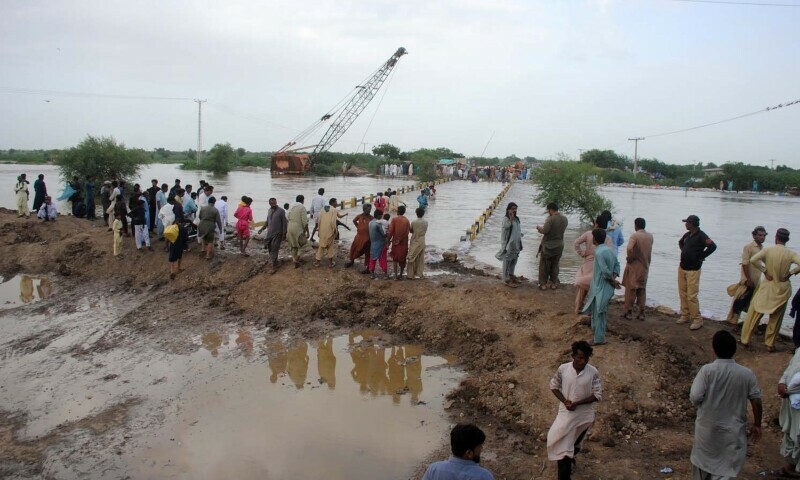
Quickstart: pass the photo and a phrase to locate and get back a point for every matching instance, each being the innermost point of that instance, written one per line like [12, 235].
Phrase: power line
[763, 110]
[61, 93]
[753, 4]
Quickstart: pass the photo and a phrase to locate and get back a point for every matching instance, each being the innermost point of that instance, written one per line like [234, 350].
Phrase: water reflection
[326, 362]
[23, 289]
[336, 425]
[376, 369]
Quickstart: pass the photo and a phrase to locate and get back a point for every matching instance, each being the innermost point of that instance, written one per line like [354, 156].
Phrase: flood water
[224, 402]
[728, 218]
[347, 407]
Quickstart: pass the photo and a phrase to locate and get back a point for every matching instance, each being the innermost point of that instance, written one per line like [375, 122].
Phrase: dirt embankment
[509, 341]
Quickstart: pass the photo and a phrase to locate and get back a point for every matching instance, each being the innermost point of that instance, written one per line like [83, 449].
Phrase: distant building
[710, 172]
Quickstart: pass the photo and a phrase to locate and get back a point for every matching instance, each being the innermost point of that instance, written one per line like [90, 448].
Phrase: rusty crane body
[292, 159]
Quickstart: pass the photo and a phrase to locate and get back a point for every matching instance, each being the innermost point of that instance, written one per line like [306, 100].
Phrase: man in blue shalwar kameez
[604, 281]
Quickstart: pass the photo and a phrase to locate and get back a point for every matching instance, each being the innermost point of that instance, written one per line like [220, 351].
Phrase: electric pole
[772, 161]
[635, 152]
[580, 153]
[199, 153]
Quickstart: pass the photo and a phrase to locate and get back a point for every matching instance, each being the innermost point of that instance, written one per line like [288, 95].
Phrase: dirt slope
[509, 341]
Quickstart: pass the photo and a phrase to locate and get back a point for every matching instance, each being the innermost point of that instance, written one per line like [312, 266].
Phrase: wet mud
[167, 360]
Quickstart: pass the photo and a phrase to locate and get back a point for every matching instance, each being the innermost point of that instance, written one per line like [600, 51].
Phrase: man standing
[40, 192]
[89, 186]
[21, 191]
[774, 292]
[695, 248]
[317, 204]
[399, 229]
[637, 268]
[277, 228]
[577, 387]
[720, 392]
[152, 201]
[161, 201]
[552, 247]
[416, 250]
[360, 245]
[466, 444]
[327, 233]
[749, 278]
[297, 232]
[222, 207]
[604, 282]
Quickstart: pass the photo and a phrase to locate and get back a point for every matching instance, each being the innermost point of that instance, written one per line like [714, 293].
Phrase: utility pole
[199, 153]
[580, 153]
[635, 152]
[772, 161]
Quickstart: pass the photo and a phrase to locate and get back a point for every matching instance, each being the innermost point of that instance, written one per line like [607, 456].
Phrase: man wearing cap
[774, 292]
[749, 279]
[695, 248]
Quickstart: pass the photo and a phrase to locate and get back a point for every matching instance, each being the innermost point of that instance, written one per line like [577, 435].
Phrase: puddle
[346, 407]
[23, 289]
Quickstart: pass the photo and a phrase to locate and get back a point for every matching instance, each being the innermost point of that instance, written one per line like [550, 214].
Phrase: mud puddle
[345, 407]
[24, 289]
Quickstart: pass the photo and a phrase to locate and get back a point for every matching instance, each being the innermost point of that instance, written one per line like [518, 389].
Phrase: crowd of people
[178, 214]
[721, 390]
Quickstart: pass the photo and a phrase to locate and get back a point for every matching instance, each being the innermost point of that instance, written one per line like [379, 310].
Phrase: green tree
[240, 152]
[220, 158]
[605, 159]
[425, 160]
[101, 157]
[573, 186]
[387, 150]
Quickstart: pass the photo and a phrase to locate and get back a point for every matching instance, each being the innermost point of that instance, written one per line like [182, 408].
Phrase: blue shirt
[456, 468]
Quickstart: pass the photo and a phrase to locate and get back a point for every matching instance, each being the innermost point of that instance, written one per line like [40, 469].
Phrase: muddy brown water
[233, 402]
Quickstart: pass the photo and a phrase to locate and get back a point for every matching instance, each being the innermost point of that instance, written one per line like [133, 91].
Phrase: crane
[297, 160]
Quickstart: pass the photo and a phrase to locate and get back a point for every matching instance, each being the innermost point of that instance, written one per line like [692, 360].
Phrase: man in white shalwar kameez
[577, 386]
[720, 392]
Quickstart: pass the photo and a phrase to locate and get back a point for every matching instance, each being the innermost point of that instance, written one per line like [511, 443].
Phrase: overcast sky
[544, 76]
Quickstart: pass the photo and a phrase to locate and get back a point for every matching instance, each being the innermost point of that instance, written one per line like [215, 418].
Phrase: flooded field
[225, 401]
[728, 218]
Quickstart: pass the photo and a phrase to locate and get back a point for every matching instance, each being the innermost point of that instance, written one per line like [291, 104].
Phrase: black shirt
[694, 249]
[138, 215]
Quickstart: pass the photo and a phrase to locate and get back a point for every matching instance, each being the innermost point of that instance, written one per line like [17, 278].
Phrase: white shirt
[202, 200]
[317, 204]
[222, 206]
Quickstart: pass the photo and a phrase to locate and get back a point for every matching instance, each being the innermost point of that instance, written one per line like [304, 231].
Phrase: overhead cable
[61, 93]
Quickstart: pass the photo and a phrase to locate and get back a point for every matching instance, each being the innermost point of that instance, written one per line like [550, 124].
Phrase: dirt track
[509, 342]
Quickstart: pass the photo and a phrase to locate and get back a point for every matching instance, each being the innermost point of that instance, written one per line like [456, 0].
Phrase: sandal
[542, 287]
[553, 286]
[628, 316]
[640, 318]
[510, 284]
